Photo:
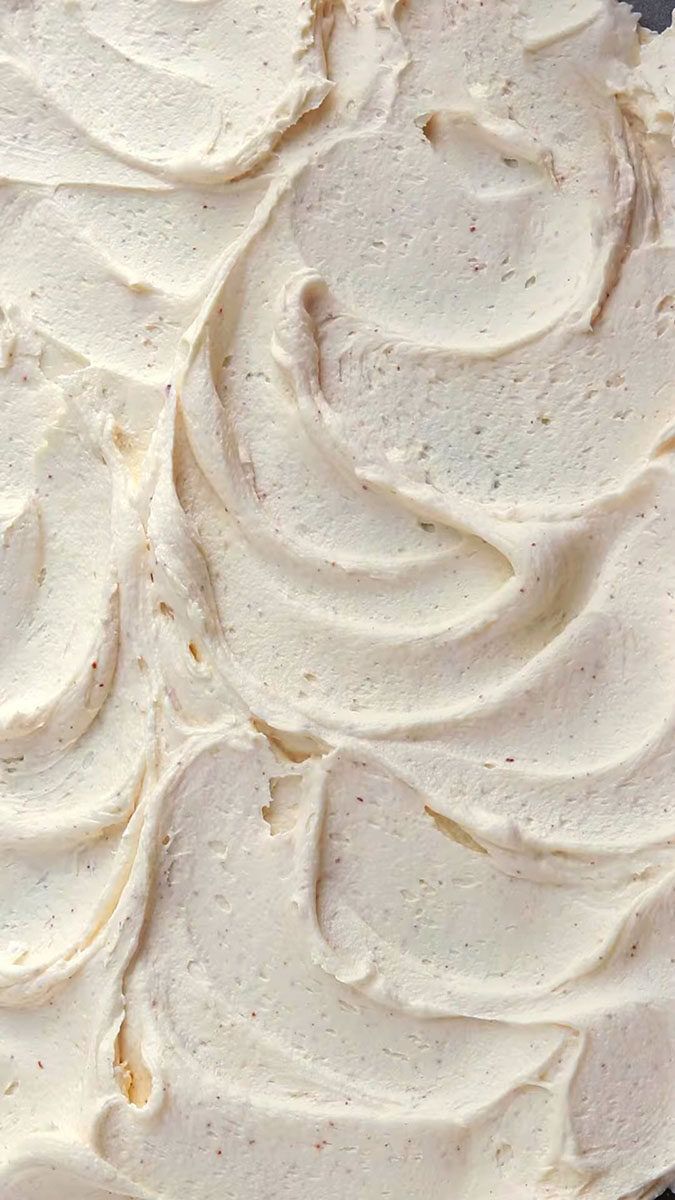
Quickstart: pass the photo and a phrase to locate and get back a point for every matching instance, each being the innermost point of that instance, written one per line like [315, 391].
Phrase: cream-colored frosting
[337, 600]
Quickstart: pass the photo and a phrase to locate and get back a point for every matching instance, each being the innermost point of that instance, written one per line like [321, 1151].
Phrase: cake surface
[337, 600]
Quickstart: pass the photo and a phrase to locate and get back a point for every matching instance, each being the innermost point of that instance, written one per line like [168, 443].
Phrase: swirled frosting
[337, 600]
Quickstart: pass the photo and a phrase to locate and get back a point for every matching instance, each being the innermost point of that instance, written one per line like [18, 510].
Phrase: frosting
[337, 489]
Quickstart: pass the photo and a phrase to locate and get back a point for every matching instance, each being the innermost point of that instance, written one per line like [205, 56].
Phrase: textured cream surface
[337, 600]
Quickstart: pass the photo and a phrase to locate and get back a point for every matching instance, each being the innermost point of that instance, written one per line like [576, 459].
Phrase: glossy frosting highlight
[337, 495]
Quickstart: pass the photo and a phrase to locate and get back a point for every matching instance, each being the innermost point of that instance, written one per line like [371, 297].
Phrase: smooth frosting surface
[337, 600]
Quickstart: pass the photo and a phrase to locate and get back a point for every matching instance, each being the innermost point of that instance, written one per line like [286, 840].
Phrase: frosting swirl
[337, 496]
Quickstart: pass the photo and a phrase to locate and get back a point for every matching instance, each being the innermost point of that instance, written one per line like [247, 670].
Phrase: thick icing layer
[337, 590]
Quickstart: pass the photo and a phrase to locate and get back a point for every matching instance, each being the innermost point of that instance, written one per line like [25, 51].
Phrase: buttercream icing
[337, 597]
